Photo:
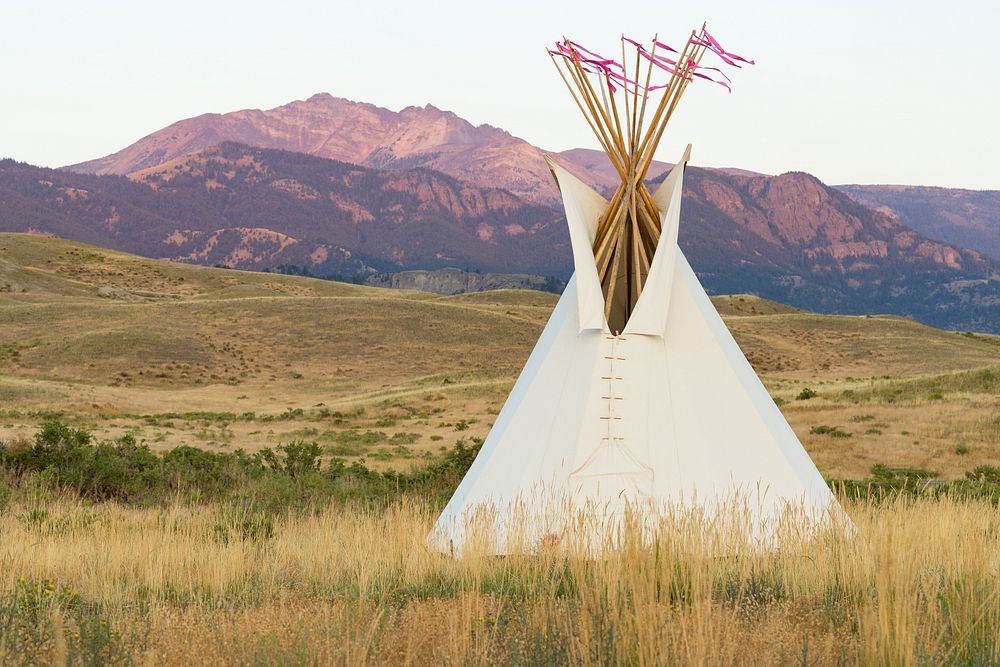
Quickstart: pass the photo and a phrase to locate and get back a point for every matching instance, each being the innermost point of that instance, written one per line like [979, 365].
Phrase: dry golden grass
[211, 357]
[917, 584]
[226, 359]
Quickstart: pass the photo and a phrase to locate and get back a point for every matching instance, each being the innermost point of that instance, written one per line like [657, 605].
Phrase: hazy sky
[864, 92]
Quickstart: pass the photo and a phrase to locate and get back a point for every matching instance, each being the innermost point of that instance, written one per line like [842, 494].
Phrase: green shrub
[832, 431]
[201, 473]
[984, 474]
[403, 438]
[112, 470]
[288, 414]
[295, 459]
[806, 394]
[34, 611]
[353, 437]
[982, 483]
[292, 475]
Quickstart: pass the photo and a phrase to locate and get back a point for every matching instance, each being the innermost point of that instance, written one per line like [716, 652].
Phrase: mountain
[793, 239]
[362, 134]
[789, 237]
[257, 208]
[367, 135]
[489, 157]
[968, 218]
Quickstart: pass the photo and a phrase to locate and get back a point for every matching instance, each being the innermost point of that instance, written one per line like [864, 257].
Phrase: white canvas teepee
[636, 402]
[665, 413]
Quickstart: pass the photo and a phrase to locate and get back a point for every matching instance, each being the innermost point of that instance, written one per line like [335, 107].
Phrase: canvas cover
[667, 414]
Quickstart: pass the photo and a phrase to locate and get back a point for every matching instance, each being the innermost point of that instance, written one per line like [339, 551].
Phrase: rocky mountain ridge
[371, 136]
[788, 237]
[967, 218]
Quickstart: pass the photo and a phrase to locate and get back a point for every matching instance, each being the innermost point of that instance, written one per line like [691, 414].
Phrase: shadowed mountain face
[260, 209]
[787, 237]
[967, 218]
[796, 240]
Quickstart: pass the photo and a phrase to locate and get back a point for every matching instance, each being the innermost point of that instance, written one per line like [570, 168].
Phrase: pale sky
[853, 92]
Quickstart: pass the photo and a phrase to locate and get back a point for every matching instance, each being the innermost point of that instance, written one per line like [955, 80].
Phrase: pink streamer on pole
[722, 51]
[614, 72]
[571, 50]
[573, 54]
[713, 45]
[661, 45]
[569, 57]
[664, 59]
[692, 66]
[716, 69]
[633, 43]
[659, 62]
[625, 82]
[662, 62]
[598, 56]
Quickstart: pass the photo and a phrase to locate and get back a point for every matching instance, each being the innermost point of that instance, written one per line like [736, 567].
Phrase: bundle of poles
[628, 117]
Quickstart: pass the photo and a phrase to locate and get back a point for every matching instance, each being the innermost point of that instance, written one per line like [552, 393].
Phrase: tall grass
[222, 583]
[929, 388]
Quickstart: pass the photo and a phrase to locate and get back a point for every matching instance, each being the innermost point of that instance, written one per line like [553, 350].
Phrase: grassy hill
[224, 359]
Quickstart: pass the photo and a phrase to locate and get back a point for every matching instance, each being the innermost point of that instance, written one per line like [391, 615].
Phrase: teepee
[635, 395]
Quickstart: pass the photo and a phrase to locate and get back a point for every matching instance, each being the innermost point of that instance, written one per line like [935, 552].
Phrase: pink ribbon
[574, 54]
[598, 64]
[713, 45]
[661, 45]
[659, 62]
[591, 53]
[662, 62]
[599, 57]
[572, 51]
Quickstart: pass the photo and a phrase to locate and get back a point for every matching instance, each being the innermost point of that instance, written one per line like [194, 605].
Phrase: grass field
[104, 584]
[224, 361]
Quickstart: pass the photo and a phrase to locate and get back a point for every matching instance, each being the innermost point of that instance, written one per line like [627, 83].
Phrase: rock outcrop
[458, 281]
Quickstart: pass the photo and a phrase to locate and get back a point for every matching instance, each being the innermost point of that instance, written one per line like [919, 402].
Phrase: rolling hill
[225, 359]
